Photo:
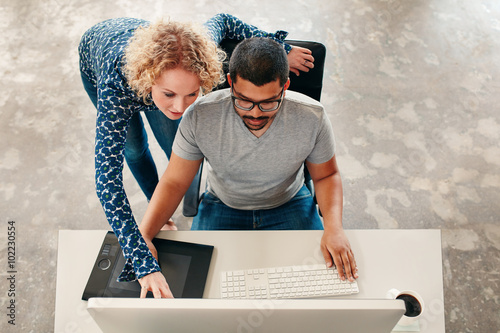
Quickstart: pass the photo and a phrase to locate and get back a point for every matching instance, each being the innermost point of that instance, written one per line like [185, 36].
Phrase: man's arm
[167, 196]
[334, 243]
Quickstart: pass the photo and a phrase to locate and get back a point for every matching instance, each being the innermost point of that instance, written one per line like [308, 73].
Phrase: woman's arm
[111, 132]
[222, 26]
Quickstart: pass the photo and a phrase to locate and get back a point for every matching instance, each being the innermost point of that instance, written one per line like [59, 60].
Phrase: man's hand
[170, 225]
[156, 283]
[337, 250]
[300, 59]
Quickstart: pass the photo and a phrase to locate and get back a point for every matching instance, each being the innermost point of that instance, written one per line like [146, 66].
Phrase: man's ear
[287, 84]
[229, 81]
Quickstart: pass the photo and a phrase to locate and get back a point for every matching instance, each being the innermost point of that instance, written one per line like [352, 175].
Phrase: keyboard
[305, 281]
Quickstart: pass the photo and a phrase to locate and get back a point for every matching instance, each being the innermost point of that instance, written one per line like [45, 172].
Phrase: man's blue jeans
[300, 213]
[137, 153]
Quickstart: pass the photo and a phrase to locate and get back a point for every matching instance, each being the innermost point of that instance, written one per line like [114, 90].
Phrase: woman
[129, 66]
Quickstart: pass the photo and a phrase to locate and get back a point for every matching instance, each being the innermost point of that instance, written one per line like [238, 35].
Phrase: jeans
[300, 213]
[137, 153]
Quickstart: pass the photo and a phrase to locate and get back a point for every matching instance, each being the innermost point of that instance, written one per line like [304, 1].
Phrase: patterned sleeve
[223, 26]
[113, 115]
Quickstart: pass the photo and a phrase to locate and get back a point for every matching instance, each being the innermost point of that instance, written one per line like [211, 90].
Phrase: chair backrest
[308, 83]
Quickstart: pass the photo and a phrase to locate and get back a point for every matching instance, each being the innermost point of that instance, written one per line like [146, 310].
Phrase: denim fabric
[300, 213]
[89, 88]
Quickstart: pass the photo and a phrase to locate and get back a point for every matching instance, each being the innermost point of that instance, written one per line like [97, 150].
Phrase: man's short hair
[260, 61]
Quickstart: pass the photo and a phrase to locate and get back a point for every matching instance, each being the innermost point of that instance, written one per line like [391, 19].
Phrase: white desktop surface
[401, 259]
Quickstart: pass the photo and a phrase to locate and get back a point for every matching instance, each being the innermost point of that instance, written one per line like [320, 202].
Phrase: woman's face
[174, 90]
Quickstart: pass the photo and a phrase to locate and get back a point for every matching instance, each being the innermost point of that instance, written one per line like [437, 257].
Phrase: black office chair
[310, 84]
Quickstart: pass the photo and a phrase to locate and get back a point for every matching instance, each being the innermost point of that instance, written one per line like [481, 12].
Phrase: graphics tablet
[184, 265]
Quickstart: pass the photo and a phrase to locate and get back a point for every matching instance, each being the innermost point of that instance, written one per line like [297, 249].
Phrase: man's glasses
[264, 106]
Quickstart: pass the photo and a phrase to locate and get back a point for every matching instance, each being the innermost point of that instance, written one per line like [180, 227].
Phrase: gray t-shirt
[253, 173]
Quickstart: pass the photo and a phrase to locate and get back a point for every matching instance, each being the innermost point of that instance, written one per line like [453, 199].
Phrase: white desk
[401, 259]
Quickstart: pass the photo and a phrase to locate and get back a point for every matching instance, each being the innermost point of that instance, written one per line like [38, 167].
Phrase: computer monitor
[126, 315]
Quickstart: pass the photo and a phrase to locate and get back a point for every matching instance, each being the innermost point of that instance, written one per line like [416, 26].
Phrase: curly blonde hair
[167, 45]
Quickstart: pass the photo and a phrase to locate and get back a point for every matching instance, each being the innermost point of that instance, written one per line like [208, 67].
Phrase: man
[256, 137]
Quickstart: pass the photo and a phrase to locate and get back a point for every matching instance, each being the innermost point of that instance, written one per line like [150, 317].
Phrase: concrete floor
[409, 87]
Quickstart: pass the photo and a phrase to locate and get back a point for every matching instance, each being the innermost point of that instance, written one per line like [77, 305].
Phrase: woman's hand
[300, 59]
[156, 283]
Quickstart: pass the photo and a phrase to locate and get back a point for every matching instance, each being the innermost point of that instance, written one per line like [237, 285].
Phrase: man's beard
[260, 126]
